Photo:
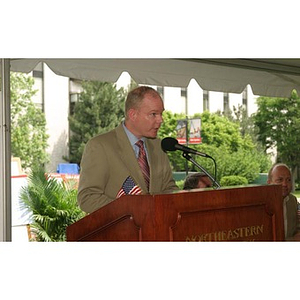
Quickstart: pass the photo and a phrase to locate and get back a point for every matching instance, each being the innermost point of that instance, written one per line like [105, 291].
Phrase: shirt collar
[286, 199]
[132, 138]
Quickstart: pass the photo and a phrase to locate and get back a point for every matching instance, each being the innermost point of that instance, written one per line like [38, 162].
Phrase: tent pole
[5, 155]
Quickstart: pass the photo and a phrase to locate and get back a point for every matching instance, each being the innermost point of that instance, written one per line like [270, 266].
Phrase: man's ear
[132, 114]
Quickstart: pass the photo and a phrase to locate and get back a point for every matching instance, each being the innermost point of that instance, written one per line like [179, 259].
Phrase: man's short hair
[275, 166]
[192, 180]
[135, 97]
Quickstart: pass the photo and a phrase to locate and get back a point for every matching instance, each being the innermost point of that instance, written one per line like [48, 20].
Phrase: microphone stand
[189, 158]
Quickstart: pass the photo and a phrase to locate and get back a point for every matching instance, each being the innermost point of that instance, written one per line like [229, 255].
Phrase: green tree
[28, 123]
[219, 130]
[234, 154]
[278, 123]
[168, 129]
[51, 206]
[100, 108]
[246, 124]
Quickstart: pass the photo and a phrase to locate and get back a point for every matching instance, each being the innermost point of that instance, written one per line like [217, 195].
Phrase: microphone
[171, 144]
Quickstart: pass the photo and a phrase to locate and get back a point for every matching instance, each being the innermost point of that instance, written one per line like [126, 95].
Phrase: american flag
[129, 188]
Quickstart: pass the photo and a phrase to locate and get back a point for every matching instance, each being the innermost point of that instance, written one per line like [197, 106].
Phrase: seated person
[196, 181]
[281, 174]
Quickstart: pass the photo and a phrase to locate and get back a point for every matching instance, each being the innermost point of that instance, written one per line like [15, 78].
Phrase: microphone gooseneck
[171, 144]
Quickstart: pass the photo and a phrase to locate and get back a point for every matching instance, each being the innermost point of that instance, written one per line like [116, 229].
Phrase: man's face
[282, 175]
[148, 117]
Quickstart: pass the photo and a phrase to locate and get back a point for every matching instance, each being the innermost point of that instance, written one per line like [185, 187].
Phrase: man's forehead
[281, 172]
[152, 103]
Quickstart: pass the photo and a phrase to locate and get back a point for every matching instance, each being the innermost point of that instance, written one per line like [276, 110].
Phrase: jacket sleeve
[93, 176]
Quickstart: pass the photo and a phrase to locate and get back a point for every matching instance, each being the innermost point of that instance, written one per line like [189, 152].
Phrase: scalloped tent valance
[267, 77]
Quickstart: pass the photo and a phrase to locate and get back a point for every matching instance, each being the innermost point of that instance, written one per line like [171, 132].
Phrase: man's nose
[160, 119]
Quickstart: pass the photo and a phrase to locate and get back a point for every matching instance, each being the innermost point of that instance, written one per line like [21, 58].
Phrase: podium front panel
[238, 214]
[128, 218]
[115, 231]
[234, 214]
[250, 223]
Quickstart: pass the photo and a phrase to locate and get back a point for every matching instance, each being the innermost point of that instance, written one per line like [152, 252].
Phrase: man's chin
[151, 136]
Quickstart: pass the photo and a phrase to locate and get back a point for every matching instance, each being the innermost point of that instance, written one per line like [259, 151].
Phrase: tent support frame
[5, 154]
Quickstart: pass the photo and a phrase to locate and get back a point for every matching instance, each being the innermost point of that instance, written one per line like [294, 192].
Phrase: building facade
[56, 95]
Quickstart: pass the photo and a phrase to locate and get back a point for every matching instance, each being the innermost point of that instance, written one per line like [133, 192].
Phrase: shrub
[180, 184]
[51, 206]
[233, 180]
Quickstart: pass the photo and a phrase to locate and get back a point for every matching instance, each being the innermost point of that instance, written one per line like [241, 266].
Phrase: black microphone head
[168, 144]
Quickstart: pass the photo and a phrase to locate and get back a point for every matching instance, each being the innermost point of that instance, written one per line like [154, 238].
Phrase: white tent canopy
[267, 77]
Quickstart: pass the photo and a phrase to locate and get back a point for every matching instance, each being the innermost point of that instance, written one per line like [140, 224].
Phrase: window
[205, 100]
[226, 103]
[75, 89]
[245, 99]
[38, 76]
[160, 90]
[73, 99]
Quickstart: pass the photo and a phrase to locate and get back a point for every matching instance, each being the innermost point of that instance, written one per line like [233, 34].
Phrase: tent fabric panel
[24, 65]
[284, 65]
[230, 76]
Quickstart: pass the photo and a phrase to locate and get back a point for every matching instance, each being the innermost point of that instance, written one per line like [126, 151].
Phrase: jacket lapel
[152, 158]
[127, 156]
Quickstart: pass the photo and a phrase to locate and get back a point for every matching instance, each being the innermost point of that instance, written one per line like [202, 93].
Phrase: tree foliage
[234, 153]
[278, 123]
[100, 108]
[28, 123]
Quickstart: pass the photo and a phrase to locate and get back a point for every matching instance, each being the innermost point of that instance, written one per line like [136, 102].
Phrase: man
[196, 181]
[110, 159]
[281, 174]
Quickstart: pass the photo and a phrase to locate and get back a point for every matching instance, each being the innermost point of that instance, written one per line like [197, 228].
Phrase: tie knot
[140, 144]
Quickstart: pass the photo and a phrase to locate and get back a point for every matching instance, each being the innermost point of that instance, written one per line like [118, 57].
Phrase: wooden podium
[235, 214]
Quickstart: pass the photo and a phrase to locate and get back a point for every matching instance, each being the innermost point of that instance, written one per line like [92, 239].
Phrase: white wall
[123, 80]
[215, 101]
[195, 98]
[173, 100]
[56, 105]
[252, 106]
[56, 99]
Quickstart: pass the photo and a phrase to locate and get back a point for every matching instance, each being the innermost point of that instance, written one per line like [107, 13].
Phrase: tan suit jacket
[291, 211]
[108, 159]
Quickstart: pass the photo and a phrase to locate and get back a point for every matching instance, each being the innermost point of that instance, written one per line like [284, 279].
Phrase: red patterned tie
[142, 160]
